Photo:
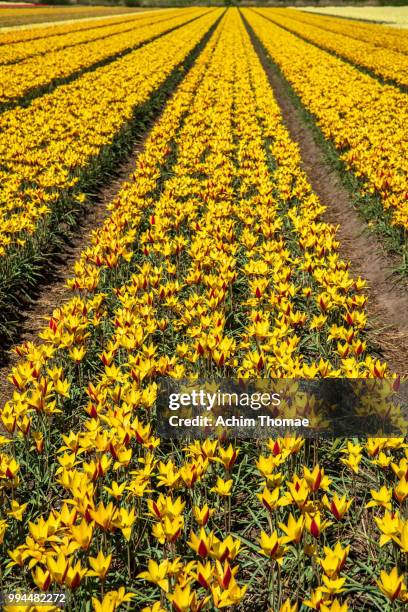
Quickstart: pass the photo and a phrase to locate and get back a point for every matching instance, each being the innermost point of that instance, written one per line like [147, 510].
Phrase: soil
[387, 307]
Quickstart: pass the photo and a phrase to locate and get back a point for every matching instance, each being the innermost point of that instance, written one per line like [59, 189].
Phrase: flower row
[390, 64]
[18, 80]
[378, 35]
[27, 16]
[47, 147]
[13, 50]
[363, 119]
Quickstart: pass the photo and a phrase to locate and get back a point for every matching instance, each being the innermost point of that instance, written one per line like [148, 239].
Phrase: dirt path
[388, 295]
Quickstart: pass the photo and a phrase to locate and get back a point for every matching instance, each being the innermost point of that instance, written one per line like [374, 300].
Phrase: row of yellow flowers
[386, 63]
[214, 260]
[52, 11]
[18, 35]
[47, 146]
[380, 36]
[362, 118]
[17, 80]
[49, 41]
[11, 17]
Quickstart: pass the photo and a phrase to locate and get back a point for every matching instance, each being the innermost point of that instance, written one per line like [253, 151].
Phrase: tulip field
[215, 258]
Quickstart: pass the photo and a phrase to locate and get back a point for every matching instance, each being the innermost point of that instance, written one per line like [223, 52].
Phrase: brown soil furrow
[387, 294]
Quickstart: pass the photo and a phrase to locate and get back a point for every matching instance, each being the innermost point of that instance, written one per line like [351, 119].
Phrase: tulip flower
[112, 600]
[272, 546]
[374, 445]
[392, 584]
[116, 490]
[11, 468]
[382, 460]
[293, 529]
[183, 599]
[100, 565]
[38, 438]
[227, 457]
[380, 498]
[401, 469]
[166, 506]
[269, 499]
[104, 516]
[401, 490]
[201, 544]
[82, 534]
[352, 461]
[157, 574]
[203, 514]
[156, 607]
[225, 549]
[17, 510]
[315, 525]
[223, 488]
[77, 354]
[205, 574]
[317, 598]
[334, 560]
[224, 598]
[124, 521]
[316, 478]
[352, 449]
[337, 506]
[298, 493]
[224, 573]
[42, 578]
[332, 586]
[58, 568]
[169, 529]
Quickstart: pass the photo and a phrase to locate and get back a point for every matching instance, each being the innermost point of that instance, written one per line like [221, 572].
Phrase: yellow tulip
[100, 565]
[392, 584]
